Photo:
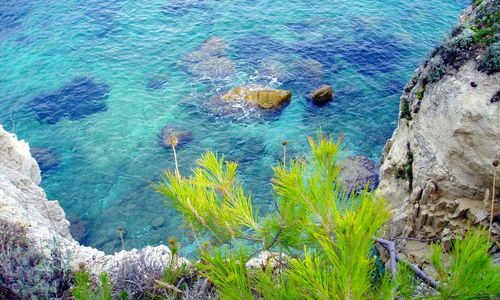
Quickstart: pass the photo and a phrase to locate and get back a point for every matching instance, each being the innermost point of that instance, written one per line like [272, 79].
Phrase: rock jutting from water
[321, 95]
[259, 95]
[82, 97]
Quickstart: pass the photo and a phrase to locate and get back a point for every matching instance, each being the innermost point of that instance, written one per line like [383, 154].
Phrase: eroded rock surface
[437, 168]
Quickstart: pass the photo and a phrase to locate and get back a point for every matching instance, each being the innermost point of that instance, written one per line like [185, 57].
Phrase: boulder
[357, 172]
[321, 95]
[183, 137]
[46, 159]
[259, 95]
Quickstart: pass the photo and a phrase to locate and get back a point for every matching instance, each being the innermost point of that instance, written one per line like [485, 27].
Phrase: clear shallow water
[128, 57]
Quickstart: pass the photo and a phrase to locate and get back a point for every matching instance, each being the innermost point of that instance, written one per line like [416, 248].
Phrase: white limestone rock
[23, 202]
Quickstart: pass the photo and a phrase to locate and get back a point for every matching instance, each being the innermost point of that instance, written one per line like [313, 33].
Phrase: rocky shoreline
[24, 203]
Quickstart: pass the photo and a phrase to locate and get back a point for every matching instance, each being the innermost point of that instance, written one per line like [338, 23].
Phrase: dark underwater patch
[12, 13]
[181, 7]
[322, 51]
[76, 100]
[255, 47]
[394, 87]
[156, 82]
[103, 15]
[47, 159]
[372, 54]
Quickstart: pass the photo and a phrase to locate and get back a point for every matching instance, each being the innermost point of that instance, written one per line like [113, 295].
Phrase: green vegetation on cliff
[318, 242]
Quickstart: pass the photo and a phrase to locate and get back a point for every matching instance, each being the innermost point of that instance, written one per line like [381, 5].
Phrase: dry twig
[388, 245]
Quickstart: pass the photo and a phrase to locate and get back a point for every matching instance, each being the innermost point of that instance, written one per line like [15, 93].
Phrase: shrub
[460, 42]
[470, 273]
[405, 110]
[312, 208]
[491, 59]
[436, 69]
[83, 290]
[487, 24]
[476, 2]
[26, 273]
[321, 238]
[420, 93]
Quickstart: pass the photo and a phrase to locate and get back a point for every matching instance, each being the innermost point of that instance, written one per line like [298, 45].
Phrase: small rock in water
[259, 95]
[321, 95]
[46, 159]
[76, 100]
[357, 171]
[183, 137]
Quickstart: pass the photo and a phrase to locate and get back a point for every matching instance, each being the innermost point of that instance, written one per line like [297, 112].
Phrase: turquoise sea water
[97, 81]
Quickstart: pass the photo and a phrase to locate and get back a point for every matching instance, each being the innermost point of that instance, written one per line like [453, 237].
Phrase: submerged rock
[78, 229]
[259, 95]
[357, 172]
[212, 68]
[275, 69]
[156, 82]
[181, 7]
[308, 68]
[321, 95]
[46, 159]
[183, 137]
[76, 100]
[210, 62]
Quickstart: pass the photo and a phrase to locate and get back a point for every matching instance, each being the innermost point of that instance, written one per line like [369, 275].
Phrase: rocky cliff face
[23, 202]
[437, 168]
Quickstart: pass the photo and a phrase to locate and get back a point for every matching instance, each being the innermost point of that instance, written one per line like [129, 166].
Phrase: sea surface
[94, 83]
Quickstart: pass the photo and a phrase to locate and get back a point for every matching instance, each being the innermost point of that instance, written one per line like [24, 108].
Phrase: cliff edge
[437, 168]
